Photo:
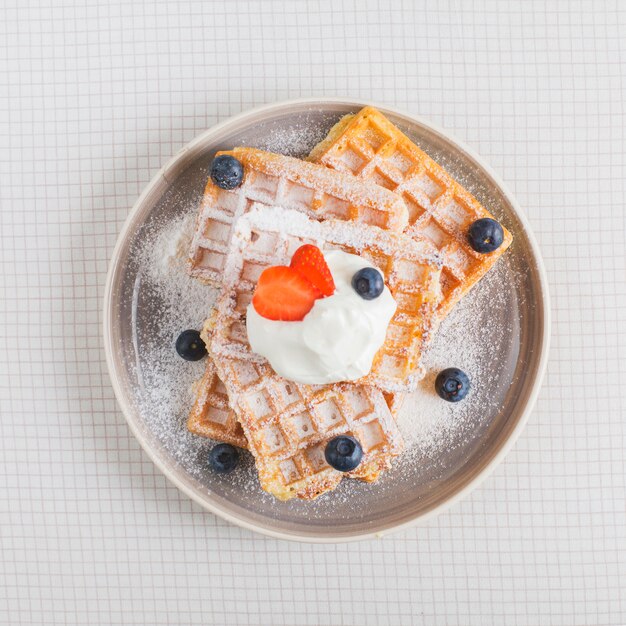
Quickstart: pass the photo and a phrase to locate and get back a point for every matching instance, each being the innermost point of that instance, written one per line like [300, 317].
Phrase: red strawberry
[310, 263]
[283, 294]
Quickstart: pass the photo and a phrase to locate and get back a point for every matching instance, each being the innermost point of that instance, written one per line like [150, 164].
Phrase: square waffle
[440, 209]
[276, 180]
[212, 416]
[287, 424]
[269, 236]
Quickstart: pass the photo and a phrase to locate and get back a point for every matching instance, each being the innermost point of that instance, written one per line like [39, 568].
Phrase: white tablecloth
[94, 99]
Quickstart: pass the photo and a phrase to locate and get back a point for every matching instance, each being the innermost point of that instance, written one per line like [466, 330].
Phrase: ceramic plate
[500, 333]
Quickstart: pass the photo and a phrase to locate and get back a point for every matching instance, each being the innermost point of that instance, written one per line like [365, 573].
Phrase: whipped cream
[338, 338]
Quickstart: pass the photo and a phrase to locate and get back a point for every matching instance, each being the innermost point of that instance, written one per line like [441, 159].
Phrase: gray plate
[411, 491]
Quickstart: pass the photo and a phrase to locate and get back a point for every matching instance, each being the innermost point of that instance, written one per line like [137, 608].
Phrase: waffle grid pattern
[440, 209]
[282, 181]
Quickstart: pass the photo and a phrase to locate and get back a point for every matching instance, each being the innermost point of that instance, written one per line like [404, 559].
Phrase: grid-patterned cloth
[94, 98]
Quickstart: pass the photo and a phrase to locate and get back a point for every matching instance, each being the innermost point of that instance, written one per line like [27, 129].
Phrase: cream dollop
[338, 338]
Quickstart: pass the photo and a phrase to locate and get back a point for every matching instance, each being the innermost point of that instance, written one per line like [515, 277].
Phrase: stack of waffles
[367, 189]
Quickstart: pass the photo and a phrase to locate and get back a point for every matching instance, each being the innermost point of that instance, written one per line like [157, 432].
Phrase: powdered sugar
[295, 140]
[357, 236]
[167, 301]
[162, 262]
[475, 337]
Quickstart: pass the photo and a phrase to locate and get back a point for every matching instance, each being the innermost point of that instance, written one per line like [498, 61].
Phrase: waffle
[287, 424]
[277, 180]
[211, 415]
[440, 209]
[411, 269]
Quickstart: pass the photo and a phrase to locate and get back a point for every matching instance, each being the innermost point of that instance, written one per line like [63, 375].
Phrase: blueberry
[368, 283]
[226, 171]
[485, 235]
[343, 453]
[223, 458]
[452, 384]
[190, 346]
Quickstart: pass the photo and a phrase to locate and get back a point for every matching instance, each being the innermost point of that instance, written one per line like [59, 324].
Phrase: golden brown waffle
[411, 269]
[211, 415]
[441, 210]
[287, 424]
[276, 180]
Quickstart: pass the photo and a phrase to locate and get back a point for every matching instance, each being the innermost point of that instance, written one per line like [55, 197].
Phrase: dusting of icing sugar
[287, 222]
[468, 339]
[162, 262]
[296, 140]
[167, 301]
[166, 250]
[326, 181]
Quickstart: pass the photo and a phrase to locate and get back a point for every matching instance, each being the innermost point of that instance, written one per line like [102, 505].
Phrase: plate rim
[205, 502]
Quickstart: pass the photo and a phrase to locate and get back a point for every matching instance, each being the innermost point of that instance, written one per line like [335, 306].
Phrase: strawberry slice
[310, 263]
[284, 295]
